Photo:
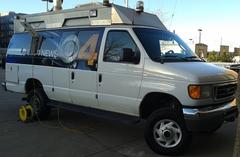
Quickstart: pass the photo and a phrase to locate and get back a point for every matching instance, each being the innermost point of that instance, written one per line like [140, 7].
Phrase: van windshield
[165, 46]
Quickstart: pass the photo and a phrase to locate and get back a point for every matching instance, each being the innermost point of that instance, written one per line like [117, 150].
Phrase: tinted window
[117, 42]
[20, 44]
[50, 43]
[71, 48]
[89, 45]
[68, 46]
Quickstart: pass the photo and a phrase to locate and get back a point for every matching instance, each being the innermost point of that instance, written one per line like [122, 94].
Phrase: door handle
[72, 75]
[100, 78]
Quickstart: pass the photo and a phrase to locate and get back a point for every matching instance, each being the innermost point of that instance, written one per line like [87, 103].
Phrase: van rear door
[18, 49]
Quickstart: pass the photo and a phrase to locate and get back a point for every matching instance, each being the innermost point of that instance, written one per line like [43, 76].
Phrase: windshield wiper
[161, 58]
[175, 56]
[191, 57]
[186, 59]
[195, 57]
[157, 59]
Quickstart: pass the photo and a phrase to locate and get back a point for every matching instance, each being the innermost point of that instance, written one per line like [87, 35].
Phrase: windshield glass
[165, 46]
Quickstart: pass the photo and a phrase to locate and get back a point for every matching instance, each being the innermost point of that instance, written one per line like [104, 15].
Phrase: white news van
[117, 59]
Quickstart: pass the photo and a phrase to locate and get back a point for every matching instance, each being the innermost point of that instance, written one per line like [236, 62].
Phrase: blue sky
[219, 19]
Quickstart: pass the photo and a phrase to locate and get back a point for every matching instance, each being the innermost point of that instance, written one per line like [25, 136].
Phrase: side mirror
[130, 56]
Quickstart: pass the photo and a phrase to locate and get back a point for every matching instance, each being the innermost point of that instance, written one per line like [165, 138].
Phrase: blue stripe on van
[18, 59]
[46, 61]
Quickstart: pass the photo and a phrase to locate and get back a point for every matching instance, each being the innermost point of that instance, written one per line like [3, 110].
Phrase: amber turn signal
[194, 91]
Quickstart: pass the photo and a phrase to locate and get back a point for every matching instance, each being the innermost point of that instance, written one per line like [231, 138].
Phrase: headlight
[200, 92]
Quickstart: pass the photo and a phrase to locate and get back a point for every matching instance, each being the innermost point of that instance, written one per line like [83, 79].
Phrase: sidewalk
[236, 152]
[237, 141]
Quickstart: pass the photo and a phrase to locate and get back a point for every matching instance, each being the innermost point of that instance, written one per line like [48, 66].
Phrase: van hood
[194, 72]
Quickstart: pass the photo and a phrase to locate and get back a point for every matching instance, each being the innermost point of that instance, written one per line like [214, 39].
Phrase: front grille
[225, 91]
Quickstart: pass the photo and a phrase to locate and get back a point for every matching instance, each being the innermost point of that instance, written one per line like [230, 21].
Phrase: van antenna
[173, 14]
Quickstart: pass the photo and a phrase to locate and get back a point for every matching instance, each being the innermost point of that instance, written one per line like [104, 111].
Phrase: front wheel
[166, 132]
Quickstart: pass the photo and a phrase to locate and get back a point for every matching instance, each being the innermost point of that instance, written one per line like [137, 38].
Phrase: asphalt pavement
[71, 134]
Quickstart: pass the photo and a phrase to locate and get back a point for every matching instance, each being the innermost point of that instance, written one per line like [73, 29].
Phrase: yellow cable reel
[26, 113]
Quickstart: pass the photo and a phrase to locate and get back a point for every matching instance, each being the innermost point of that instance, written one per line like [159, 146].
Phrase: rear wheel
[166, 132]
[38, 100]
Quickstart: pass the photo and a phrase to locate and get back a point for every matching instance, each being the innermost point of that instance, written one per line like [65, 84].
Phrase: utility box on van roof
[93, 14]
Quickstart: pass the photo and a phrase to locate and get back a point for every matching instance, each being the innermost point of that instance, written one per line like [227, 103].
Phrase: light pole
[191, 41]
[126, 3]
[47, 1]
[200, 35]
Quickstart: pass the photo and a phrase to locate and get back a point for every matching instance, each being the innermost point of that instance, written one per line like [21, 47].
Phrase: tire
[170, 125]
[38, 99]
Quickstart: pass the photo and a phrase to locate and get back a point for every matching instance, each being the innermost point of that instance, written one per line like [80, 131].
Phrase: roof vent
[57, 4]
[140, 6]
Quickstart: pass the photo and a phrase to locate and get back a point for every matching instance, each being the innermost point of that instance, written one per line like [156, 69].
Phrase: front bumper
[208, 118]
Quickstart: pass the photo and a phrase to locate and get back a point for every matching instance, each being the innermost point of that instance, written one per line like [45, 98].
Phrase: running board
[126, 119]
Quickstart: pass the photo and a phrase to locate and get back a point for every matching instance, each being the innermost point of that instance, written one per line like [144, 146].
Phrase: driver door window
[121, 48]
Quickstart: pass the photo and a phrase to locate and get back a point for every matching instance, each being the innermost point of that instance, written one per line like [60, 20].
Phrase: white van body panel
[44, 75]
[174, 79]
[26, 72]
[61, 79]
[12, 71]
[121, 82]
[83, 88]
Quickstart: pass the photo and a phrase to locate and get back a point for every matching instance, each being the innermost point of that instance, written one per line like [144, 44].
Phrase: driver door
[119, 80]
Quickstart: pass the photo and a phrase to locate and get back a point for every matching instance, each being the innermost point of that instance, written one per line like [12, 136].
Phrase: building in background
[6, 27]
[236, 51]
[201, 50]
[224, 50]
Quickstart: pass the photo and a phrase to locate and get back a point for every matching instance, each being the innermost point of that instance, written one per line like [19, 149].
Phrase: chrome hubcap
[167, 133]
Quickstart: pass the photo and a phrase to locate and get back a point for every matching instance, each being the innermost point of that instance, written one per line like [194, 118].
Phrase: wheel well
[153, 101]
[32, 84]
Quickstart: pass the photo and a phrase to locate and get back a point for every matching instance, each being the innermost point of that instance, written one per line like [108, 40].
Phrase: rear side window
[89, 45]
[50, 42]
[20, 44]
[73, 48]
[68, 46]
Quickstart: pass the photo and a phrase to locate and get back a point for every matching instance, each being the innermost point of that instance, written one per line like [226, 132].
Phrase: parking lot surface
[71, 134]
